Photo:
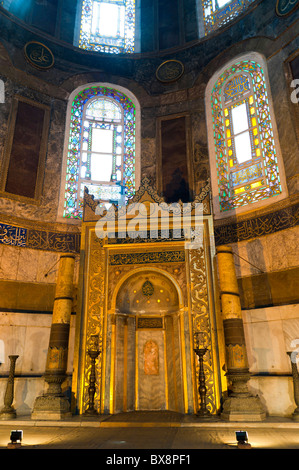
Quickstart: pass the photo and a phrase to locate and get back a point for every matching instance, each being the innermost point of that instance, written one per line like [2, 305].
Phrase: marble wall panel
[266, 350]
[28, 265]
[47, 267]
[269, 333]
[273, 252]
[131, 345]
[119, 365]
[170, 364]
[28, 336]
[9, 262]
[276, 394]
[151, 388]
[290, 329]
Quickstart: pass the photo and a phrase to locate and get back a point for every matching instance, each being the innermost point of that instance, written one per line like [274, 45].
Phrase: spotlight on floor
[242, 439]
[15, 439]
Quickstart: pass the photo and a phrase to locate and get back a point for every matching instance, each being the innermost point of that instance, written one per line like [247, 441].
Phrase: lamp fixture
[15, 439]
[242, 439]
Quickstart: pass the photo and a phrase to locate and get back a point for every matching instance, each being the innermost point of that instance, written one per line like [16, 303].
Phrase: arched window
[243, 149]
[101, 149]
[218, 13]
[107, 26]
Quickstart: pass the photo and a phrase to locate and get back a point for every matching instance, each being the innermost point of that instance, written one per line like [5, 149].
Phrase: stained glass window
[101, 149]
[218, 13]
[246, 158]
[108, 26]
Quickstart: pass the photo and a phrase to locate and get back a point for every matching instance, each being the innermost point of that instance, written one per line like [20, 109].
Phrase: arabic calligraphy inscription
[285, 7]
[39, 55]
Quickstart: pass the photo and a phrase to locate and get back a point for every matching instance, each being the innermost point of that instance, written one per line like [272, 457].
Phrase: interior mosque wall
[264, 241]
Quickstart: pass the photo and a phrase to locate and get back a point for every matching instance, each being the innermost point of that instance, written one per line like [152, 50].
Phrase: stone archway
[148, 360]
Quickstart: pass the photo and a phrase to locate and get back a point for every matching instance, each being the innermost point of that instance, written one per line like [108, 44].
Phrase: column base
[51, 408]
[295, 415]
[243, 409]
[7, 414]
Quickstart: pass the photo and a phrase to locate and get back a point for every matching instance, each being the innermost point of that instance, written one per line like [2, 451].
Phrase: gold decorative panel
[201, 322]
[95, 313]
[146, 301]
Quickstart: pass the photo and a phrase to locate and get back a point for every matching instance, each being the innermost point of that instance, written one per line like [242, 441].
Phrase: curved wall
[32, 236]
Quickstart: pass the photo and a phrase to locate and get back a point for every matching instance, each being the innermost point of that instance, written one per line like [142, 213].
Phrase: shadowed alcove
[148, 371]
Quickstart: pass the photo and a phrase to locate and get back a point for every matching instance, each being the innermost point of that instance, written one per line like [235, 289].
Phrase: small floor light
[15, 439]
[242, 439]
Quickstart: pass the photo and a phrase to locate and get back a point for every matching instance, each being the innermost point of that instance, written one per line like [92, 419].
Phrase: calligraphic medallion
[38, 55]
[147, 289]
[170, 71]
[285, 7]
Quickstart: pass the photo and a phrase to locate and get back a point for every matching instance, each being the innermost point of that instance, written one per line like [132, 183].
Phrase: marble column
[240, 405]
[54, 404]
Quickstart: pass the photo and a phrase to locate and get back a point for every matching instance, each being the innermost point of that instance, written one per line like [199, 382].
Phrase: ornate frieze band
[63, 242]
[67, 242]
[147, 257]
[282, 219]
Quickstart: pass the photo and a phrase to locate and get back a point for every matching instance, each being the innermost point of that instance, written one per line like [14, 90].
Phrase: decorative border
[119, 259]
[67, 242]
[282, 219]
[64, 242]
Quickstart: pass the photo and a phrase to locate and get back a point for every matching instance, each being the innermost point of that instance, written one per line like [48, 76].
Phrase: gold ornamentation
[149, 322]
[56, 358]
[95, 314]
[275, 221]
[201, 321]
[62, 242]
[147, 257]
[236, 356]
[147, 289]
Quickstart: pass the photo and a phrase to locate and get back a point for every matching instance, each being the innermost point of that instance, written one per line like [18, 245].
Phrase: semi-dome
[127, 26]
